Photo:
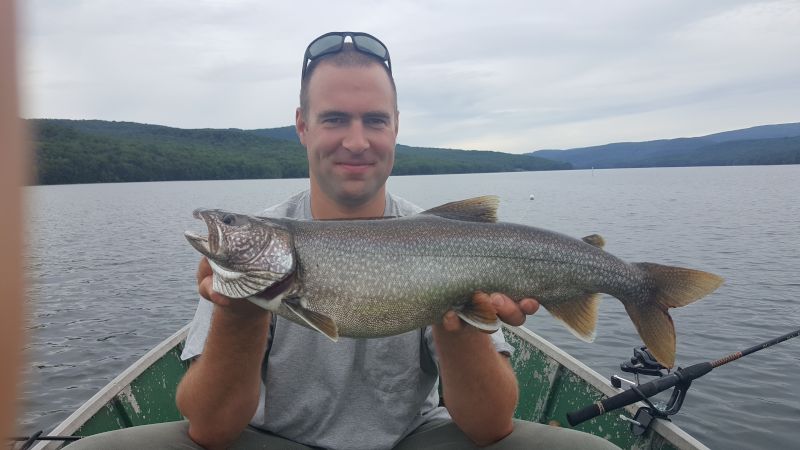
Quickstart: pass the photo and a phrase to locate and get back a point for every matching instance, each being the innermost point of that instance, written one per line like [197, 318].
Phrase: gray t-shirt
[355, 393]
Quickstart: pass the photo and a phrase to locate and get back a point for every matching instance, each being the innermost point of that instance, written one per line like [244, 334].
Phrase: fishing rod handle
[633, 395]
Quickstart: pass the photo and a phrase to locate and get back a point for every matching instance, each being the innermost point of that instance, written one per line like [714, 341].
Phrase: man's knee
[536, 435]
[173, 435]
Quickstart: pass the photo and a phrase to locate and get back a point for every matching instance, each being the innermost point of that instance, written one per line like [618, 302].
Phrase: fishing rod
[28, 441]
[681, 379]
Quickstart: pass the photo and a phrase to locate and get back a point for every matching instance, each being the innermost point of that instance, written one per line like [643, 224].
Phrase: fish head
[247, 254]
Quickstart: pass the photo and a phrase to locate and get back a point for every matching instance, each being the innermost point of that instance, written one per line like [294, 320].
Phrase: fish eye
[228, 219]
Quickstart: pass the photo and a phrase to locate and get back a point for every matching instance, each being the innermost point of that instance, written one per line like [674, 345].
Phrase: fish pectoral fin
[579, 314]
[315, 320]
[595, 240]
[478, 209]
[480, 313]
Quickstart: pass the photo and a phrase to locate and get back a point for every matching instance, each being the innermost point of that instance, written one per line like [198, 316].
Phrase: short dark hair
[347, 57]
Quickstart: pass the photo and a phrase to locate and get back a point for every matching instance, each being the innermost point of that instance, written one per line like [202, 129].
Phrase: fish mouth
[207, 244]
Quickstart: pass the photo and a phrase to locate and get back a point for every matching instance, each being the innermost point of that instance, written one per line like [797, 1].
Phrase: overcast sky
[513, 76]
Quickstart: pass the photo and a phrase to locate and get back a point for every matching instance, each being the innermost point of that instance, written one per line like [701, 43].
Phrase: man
[264, 381]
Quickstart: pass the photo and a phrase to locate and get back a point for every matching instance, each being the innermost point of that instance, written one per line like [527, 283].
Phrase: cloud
[510, 75]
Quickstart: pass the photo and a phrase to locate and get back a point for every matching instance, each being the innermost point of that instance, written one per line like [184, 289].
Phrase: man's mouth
[354, 166]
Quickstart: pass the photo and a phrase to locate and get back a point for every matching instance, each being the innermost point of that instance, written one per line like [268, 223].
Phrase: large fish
[380, 277]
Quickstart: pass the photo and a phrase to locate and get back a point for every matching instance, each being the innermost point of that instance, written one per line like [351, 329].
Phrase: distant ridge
[766, 144]
[97, 151]
[759, 132]
[285, 133]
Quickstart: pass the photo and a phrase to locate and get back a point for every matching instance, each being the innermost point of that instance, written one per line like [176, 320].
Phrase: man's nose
[355, 140]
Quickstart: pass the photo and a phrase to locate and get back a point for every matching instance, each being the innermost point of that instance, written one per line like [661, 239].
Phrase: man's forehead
[328, 69]
[334, 112]
[339, 88]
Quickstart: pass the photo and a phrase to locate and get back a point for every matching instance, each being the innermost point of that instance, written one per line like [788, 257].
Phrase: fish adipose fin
[674, 287]
[594, 239]
[478, 209]
[480, 314]
[578, 314]
[315, 320]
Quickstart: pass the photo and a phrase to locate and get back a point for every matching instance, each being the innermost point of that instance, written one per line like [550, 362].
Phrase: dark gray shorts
[438, 434]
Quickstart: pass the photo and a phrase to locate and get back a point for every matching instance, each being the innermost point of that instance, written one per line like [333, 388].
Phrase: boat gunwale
[671, 432]
[89, 408]
[668, 430]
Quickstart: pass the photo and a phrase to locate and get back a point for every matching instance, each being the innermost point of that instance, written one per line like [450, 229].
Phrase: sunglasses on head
[334, 42]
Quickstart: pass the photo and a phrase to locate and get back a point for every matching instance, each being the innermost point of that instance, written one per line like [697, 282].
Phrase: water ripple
[113, 276]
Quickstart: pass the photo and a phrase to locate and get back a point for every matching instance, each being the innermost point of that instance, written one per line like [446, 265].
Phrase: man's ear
[300, 125]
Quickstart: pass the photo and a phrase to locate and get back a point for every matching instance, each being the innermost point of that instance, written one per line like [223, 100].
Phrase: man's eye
[333, 120]
[377, 122]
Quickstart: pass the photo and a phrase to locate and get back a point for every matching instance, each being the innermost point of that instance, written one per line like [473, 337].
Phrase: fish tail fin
[673, 287]
[578, 314]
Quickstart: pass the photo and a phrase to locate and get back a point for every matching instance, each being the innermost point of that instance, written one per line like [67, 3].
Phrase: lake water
[110, 276]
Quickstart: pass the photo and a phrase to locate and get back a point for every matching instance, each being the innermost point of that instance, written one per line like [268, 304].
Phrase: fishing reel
[680, 380]
[643, 363]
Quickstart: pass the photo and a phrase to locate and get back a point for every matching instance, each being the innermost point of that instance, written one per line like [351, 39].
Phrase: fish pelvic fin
[579, 314]
[480, 313]
[478, 209]
[594, 239]
[315, 320]
[674, 287]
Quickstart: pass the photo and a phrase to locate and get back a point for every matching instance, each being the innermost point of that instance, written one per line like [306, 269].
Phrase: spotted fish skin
[381, 277]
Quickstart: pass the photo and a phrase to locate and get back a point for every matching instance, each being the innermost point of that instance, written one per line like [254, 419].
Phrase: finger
[206, 290]
[203, 269]
[529, 306]
[451, 322]
[507, 310]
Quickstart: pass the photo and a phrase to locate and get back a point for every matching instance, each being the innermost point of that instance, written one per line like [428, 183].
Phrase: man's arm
[480, 387]
[220, 391]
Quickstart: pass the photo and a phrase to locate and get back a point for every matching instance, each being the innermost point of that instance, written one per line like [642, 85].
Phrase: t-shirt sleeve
[198, 332]
[499, 341]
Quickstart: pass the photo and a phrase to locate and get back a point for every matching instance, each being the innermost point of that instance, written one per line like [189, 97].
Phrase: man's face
[349, 132]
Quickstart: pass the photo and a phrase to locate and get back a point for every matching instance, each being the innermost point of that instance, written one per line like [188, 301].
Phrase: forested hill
[96, 151]
[424, 160]
[768, 144]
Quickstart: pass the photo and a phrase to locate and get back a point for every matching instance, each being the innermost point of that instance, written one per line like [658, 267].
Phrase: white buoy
[531, 196]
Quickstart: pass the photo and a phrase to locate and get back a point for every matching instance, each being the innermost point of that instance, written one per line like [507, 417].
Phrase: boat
[552, 384]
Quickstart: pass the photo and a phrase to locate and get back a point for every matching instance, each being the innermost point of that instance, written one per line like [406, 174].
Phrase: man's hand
[205, 285]
[509, 311]
[228, 374]
[467, 358]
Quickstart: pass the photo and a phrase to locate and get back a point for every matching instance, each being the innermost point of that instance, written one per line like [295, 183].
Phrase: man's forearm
[480, 388]
[220, 392]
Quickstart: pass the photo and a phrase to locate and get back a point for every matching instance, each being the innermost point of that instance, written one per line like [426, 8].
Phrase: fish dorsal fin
[594, 239]
[315, 320]
[478, 209]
